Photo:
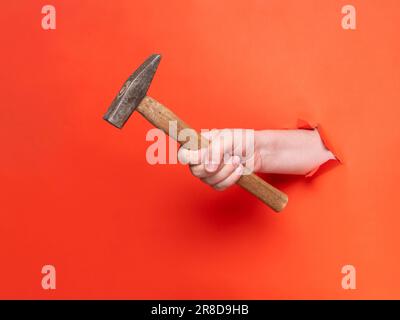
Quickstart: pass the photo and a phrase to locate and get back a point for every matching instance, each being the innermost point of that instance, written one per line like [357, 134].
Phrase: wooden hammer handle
[160, 116]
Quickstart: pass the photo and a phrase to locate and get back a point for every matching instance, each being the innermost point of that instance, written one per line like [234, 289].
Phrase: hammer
[132, 96]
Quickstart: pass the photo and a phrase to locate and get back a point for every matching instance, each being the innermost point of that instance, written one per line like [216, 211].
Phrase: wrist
[264, 148]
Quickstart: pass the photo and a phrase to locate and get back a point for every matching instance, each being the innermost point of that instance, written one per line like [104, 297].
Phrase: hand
[229, 155]
[234, 152]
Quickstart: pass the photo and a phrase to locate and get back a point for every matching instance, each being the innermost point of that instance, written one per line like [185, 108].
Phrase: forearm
[290, 151]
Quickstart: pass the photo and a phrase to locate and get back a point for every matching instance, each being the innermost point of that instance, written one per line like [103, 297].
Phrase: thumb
[191, 157]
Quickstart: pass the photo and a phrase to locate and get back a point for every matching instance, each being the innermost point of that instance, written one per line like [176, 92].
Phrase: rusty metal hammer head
[132, 92]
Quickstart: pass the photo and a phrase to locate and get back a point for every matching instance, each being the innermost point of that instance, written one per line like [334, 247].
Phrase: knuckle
[197, 172]
[183, 156]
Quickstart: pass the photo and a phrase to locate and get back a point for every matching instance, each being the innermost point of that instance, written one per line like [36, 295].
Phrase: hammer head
[132, 92]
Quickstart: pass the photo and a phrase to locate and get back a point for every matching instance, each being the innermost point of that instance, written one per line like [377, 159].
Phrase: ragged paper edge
[306, 125]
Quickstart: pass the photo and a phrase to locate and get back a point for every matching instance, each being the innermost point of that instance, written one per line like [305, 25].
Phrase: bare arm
[290, 151]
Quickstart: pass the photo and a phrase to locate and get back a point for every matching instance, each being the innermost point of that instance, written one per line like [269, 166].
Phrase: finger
[199, 171]
[225, 171]
[231, 180]
[220, 145]
[192, 157]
